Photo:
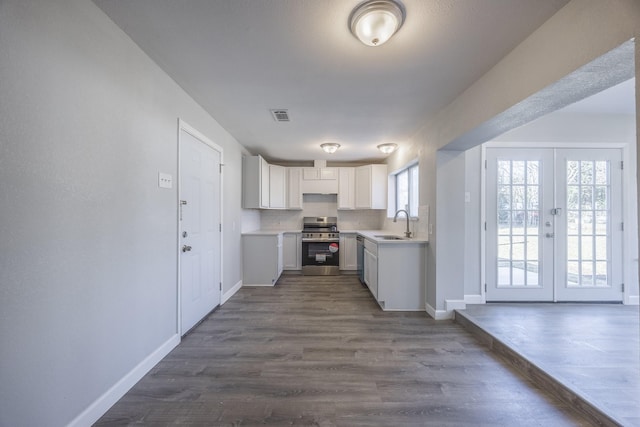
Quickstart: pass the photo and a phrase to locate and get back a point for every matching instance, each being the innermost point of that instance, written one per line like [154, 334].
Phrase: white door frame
[629, 211]
[184, 126]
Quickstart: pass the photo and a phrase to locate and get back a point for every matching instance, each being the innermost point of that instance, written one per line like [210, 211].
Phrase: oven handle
[310, 239]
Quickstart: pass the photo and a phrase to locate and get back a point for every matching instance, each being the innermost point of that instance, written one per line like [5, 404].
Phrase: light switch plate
[165, 180]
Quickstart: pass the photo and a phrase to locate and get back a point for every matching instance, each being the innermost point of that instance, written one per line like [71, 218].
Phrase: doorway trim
[629, 267]
[184, 126]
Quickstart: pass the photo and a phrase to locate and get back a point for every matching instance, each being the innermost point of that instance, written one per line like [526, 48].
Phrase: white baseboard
[231, 292]
[633, 300]
[439, 314]
[258, 284]
[101, 405]
[474, 299]
[454, 304]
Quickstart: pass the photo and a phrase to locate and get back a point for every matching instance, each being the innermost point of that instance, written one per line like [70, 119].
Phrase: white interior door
[554, 225]
[200, 236]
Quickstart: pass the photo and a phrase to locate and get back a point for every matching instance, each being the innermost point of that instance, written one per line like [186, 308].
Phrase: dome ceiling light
[330, 147]
[375, 21]
[387, 148]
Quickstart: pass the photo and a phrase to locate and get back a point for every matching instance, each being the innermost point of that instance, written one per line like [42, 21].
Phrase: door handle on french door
[550, 235]
[186, 248]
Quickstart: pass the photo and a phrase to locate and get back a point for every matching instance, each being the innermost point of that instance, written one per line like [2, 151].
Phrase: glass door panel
[519, 259]
[590, 233]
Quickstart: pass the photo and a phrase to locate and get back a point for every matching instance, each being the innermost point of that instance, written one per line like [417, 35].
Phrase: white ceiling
[240, 58]
[618, 99]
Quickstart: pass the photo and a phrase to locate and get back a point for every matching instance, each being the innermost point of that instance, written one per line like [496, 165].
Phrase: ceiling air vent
[280, 115]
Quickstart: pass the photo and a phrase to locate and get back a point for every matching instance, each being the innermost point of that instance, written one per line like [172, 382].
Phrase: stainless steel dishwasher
[360, 257]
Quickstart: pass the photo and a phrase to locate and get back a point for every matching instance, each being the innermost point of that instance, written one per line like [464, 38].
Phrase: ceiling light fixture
[375, 21]
[330, 147]
[387, 148]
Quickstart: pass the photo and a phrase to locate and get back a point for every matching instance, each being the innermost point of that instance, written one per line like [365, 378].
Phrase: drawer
[371, 246]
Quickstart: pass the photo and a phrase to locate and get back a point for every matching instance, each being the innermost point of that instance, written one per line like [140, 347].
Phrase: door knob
[186, 248]
[550, 235]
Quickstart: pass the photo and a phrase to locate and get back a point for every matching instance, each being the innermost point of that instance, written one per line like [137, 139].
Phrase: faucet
[407, 233]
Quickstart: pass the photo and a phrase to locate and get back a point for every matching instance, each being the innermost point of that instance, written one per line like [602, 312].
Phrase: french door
[554, 225]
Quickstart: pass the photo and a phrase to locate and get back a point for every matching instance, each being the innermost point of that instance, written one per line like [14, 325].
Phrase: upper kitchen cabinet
[346, 188]
[371, 187]
[320, 180]
[255, 182]
[320, 173]
[277, 187]
[294, 188]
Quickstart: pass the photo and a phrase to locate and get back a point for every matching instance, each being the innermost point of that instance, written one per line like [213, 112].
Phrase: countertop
[371, 235]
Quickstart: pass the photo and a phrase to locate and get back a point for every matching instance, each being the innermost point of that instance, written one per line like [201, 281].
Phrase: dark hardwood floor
[317, 351]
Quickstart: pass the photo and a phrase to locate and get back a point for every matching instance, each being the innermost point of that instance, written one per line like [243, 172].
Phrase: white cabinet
[255, 183]
[348, 252]
[291, 246]
[320, 180]
[262, 259]
[371, 267]
[396, 274]
[346, 188]
[277, 187]
[319, 173]
[371, 187]
[294, 188]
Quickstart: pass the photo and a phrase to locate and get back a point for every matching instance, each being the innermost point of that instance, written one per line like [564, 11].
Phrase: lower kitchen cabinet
[396, 274]
[348, 252]
[262, 259]
[291, 246]
[371, 267]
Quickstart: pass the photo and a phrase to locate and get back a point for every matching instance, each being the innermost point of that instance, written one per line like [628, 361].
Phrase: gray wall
[88, 240]
[557, 65]
[450, 267]
[472, 224]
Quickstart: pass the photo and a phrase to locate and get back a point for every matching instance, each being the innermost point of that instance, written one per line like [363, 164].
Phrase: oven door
[320, 257]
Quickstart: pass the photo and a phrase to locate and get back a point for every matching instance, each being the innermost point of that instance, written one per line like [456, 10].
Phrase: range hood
[319, 179]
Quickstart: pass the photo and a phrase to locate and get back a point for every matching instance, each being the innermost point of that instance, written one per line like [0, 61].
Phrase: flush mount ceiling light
[330, 147]
[375, 21]
[387, 148]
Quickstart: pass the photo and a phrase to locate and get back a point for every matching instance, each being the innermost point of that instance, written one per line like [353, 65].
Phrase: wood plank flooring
[588, 353]
[317, 351]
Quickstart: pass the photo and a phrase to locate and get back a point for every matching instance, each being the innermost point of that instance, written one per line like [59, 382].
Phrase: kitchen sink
[389, 237]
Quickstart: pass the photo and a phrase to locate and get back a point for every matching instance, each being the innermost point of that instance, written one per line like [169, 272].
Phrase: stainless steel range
[320, 246]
